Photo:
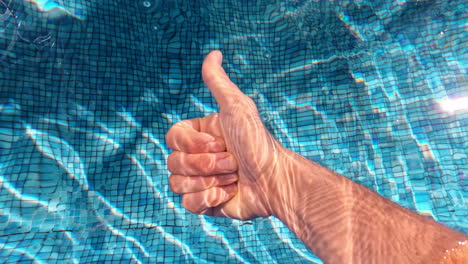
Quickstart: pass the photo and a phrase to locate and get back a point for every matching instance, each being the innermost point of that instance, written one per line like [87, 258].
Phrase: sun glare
[454, 104]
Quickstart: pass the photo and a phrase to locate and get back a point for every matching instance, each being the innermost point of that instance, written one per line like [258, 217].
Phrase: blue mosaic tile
[89, 89]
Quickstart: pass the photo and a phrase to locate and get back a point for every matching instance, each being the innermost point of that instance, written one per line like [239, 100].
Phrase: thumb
[223, 89]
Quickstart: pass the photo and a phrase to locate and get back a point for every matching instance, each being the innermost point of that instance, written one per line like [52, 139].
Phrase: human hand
[228, 164]
[225, 164]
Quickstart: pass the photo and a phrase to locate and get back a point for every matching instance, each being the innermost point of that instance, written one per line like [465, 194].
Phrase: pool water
[88, 89]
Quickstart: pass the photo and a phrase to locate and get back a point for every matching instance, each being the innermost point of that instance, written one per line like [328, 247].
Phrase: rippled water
[89, 89]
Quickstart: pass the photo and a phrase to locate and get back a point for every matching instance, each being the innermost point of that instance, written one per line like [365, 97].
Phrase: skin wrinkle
[291, 181]
[310, 209]
[192, 141]
[270, 168]
[349, 208]
[199, 183]
[382, 231]
[327, 225]
[215, 197]
[200, 164]
[258, 164]
[209, 198]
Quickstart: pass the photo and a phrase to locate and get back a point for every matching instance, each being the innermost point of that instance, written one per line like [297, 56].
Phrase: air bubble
[149, 6]
[265, 117]
[368, 33]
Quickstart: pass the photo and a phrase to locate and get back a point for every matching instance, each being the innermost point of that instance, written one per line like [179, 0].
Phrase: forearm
[344, 222]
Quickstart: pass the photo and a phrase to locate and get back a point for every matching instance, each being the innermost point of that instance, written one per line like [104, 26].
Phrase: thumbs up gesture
[226, 164]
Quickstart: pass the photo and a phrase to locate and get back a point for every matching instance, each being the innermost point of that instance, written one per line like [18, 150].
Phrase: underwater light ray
[57, 10]
[128, 117]
[264, 248]
[82, 112]
[31, 257]
[165, 153]
[203, 108]
[211, 231]
[117, 212]
[244, 231]
[418, 190]
[309, 64]
[131, 239]
[166, 235]
[23, 197]
[349, 25]
[149, 180]
[277, 226]
[100, 136]
[54, 148]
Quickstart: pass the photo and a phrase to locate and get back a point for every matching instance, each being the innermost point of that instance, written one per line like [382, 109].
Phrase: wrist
[314, 203]
[297, 179]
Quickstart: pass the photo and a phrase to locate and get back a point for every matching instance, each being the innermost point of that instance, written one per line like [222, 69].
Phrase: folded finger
[186, 136]
[189, 184]
[201, 164]
[203, 202]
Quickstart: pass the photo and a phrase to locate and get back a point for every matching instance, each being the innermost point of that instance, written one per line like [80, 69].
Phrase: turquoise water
[89, 88]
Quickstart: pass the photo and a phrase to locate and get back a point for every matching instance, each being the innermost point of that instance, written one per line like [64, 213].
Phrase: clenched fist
[225, 164]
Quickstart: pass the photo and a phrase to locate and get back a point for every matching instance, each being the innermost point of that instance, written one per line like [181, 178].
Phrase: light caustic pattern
[374, 90]
[59, 8]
